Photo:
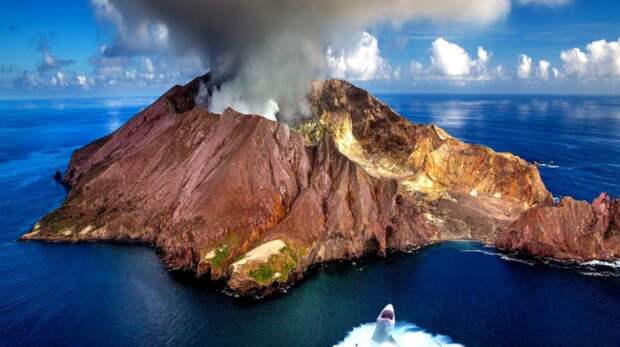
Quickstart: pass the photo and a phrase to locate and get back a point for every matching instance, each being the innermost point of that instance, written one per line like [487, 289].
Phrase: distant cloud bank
[158, 43]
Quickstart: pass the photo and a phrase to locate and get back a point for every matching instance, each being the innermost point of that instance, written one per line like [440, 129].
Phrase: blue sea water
[115, 295]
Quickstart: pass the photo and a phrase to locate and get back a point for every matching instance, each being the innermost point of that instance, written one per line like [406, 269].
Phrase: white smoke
[266, 52]
[403, 334]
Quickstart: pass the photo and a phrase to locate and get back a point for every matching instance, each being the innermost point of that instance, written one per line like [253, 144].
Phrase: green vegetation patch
[263, 273]
[277, 268]
[220, 255]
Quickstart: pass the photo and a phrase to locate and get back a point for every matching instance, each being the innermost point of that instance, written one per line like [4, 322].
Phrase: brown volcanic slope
[254, 202]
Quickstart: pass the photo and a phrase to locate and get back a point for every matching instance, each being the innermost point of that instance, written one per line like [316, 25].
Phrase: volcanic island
[255, 203]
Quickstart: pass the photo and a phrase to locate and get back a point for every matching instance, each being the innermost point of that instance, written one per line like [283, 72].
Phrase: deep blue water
[99, 294]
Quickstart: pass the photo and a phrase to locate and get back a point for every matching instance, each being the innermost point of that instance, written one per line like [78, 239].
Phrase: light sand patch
[214, 252]
[210, 255]
[99, 232]
[32, 233]
[442, 134]
[260, 253]
[420, 183]
[86, 230]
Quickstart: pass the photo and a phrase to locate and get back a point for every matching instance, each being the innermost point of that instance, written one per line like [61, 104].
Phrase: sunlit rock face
[254, 202]
[422, 157]
[466, 191]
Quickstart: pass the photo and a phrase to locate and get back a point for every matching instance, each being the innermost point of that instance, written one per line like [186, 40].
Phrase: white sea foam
[404, 334]
[549, 166]
[502, 256]
[595, 268]
[600, 268]
[600, 273]
[479, 251]
[612, 264]
[517, 260]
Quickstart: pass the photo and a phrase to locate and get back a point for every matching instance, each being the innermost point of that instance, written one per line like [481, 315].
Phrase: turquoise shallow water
[101, 294]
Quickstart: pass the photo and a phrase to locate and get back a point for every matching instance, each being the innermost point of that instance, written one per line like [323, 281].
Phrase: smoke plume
[265, 53]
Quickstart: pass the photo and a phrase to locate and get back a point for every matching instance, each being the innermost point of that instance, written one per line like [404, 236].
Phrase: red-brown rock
[571, 230]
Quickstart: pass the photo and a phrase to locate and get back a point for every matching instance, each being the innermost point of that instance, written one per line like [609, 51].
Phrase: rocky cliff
[571, 230]
[254, 202]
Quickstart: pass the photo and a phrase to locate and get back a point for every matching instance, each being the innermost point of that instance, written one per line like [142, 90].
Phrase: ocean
[457, 292]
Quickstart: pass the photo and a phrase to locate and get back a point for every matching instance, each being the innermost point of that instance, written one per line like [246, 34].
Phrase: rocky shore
[255, 202]
[570, 230]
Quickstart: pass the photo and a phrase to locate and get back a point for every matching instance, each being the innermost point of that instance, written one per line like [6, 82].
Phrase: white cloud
[480, 65]
[107, 71]
[499, 72]
[524, 68]
[51, 72]
[50, 64]
[83, 81]
[483, 55]
[138, 71]
[543, 69]
[362, 62]
[575, 62]
[58, 80]
[27, 79]
[415, 68]
[451, 61]
[148, 65]
[396, 73]
[600, 61]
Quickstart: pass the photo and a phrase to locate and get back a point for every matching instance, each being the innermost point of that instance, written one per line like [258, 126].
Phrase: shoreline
[296, 279]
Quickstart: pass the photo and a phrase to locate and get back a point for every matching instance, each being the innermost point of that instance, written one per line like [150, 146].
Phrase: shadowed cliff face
[255, 202]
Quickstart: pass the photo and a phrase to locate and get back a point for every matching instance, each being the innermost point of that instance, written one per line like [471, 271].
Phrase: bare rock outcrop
[571, 230]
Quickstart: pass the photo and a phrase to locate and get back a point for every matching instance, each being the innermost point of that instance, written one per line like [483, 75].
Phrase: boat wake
[404, 335]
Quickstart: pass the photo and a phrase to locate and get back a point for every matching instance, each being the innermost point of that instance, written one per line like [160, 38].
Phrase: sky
[68, 48]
